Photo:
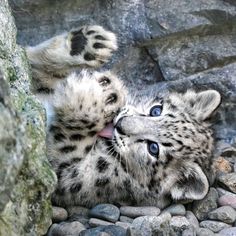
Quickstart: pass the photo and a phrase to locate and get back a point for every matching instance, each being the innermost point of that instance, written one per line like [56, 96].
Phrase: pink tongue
[107, 131]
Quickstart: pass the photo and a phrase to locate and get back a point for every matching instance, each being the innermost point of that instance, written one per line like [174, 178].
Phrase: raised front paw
[92, 45]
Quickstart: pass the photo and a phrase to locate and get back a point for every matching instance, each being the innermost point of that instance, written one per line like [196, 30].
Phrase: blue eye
[153, 148]
[156, 110]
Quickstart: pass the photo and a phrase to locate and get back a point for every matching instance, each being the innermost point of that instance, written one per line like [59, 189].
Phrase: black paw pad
[89, 57]
[78, 42]
[99, 45]
[100, 37]
[112, 98]
[90, 32]
[104, 81]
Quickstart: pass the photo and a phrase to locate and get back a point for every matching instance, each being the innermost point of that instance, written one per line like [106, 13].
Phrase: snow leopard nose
[118, 126]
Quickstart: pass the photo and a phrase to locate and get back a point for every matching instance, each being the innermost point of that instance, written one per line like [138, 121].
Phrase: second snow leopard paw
[92, 45]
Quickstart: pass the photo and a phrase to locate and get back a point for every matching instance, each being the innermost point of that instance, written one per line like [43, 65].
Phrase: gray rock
[228, 180]
[124, 225]
[189, 232]
[204, 232]
[139, 211]
[222, 192]
[59, 214]
[77, 210]
[176, 209]
[82, 219]
[192, 220]
[132, 231]
[214, 226]
[203, 207]
[66, 228]
[179, 224]
[228, 232]
[111, 230]
[93, 222]
[153, 225]
[225, 213]
[106, 212]
[126, 219]
[228, 200]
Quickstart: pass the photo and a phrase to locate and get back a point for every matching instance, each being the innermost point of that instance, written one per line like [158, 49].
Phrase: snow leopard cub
[107, 146]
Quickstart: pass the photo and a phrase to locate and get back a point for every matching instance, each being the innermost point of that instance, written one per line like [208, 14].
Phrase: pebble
[228, 200]
[176, 209]
[124, 225]
[214, 226]
[66, 228]
[228, 232]
[77, 210]
[204, 232]
[192, 219]
[58, 214]
[222, 192]
[148, 225]
[105, 212]
[202, 207]
[179, 224]
[111, 230]
[126, 219]
[228, 180]
[139, 211]
[94, 222]
[225, 213]
[82, 219]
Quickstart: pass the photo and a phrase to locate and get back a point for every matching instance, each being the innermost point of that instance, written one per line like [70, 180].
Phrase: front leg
[82, 105]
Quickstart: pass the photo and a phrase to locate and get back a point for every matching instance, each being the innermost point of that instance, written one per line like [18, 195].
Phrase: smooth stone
[93, 222]
[189, 232]
[228, 232]
[192, 219]
[59, 214]
[222, 192]
[204, 232]
[139, 211]
[82, 219]
[202, 207]
[105, 212]
[228, 180]
[225, 213]
[214, 226]
[132, 231]
[228, 200]
[126, 219]
[78, 210]
[152, 225]
[111, 230]
[66, 228]
[124, 225]
[179, 224]
[176, 209]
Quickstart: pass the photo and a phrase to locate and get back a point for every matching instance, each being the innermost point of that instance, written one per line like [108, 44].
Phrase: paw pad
[78, 42]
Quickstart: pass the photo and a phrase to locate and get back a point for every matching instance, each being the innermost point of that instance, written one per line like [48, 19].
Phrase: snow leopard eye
[156, 110]
[153, 148]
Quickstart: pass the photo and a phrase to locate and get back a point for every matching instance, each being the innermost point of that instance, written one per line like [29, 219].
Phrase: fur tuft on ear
[203, 104]
[192, 184]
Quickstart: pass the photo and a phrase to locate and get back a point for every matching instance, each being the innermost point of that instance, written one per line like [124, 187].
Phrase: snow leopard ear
[191, 184]
[203, 104]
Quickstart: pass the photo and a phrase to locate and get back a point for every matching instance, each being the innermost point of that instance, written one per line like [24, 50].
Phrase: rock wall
[164, 44]
[26, 180]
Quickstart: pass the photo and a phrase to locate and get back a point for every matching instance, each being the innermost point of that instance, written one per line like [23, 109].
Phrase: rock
[152, 225]
[93, 222]
[204, 232]
[59, 214]
[228, 200]
[124, 225]
[77, 210]
[176, 209]
[228, 180]
[66, 228]
[225, 213]
[189, 232]
[132, 231]
[214, 226]
[207, 204]
[179, 224]
[222, 192]
[82, 219]
[111, 230]
[106, 212]
[139, 211]
[222, 165]
[126, 219]
[26, 178]
[228, 232]
[192, 220]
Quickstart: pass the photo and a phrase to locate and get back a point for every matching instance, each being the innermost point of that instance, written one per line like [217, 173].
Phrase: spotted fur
[92, 169]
